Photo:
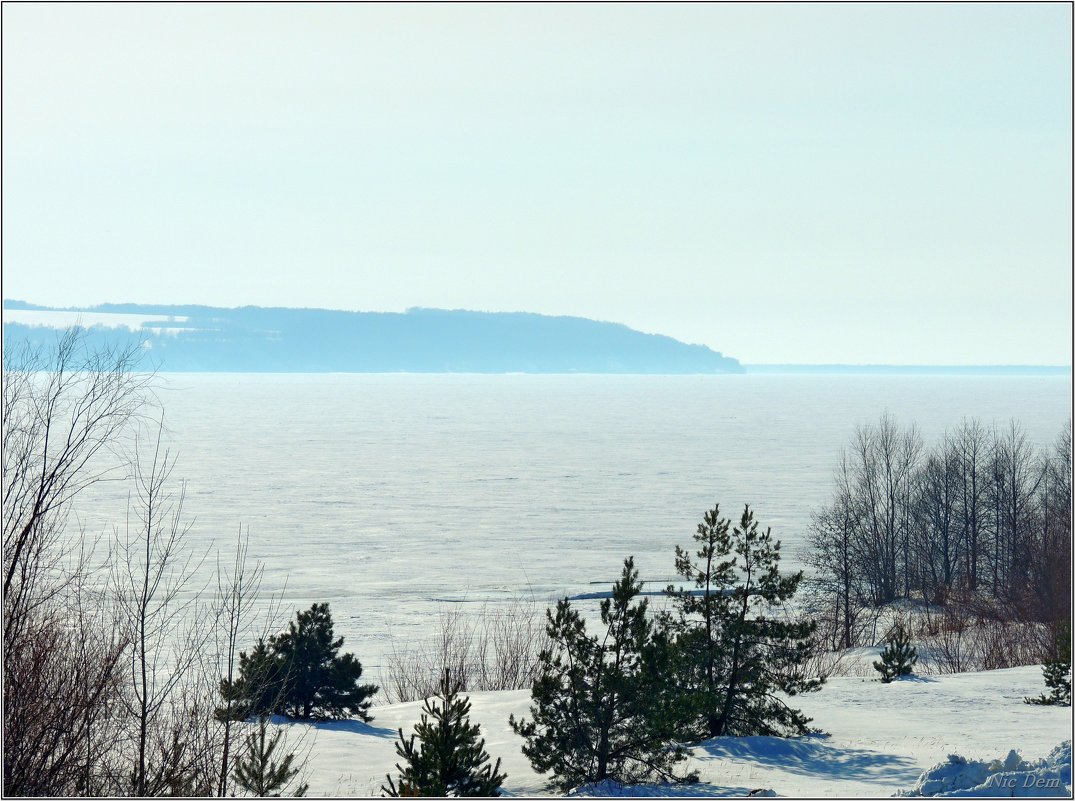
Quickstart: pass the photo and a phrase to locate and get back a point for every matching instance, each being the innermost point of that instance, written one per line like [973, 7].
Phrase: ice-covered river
[389, 495]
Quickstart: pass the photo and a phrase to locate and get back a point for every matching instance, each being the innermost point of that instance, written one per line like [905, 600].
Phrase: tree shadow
[914, 677]
[696, 790]
[812, 756]
[350, 726]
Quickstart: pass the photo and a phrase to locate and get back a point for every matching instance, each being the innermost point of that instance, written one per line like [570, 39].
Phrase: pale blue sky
[783, 183]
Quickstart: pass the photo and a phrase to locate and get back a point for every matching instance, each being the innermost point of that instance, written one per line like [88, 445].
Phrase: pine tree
[319, 683]
[258, 773]
[258, 687]
[898, 657]
[299, 673]
[452, 761]
[736, 647]
[1057, 672]
[602, 706]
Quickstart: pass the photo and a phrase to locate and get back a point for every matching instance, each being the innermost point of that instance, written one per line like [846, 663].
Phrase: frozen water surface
[388, 495]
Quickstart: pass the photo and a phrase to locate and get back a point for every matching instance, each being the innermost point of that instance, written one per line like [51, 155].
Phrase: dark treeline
[980, 520]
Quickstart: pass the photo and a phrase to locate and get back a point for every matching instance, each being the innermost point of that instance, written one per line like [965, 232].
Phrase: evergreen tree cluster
[299, 673]
[620, 704]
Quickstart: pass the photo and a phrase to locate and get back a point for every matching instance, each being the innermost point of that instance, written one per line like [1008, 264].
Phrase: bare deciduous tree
[153, 576]
[971, 444]
[65, 412]
[237, 589]
[980, 528]
[937, 535]
[883, 460]
[112, 661]
[835, 553]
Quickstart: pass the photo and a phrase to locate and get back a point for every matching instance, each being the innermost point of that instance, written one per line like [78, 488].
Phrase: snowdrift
[1010, 777]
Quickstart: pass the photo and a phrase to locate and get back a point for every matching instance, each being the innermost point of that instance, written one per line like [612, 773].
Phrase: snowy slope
[881, 738]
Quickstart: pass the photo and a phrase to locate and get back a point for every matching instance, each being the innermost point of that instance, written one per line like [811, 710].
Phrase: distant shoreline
[185, 338]
[251, 339]
[907, 369]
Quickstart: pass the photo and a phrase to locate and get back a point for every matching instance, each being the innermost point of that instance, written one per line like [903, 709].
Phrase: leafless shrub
[1007, 644]
[61, 678]
[182, 645]
[950, 639]
[824, 664]
[495, 649]
[970, 635]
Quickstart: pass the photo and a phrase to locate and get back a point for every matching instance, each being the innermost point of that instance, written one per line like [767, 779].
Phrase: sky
[829, 183]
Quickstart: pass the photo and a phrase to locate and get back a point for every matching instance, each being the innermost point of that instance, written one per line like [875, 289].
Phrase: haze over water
[390, 494]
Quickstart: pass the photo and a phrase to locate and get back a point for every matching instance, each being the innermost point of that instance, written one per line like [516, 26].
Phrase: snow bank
[960, 777]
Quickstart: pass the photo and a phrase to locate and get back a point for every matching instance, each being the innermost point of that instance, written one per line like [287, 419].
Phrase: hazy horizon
[785, 184]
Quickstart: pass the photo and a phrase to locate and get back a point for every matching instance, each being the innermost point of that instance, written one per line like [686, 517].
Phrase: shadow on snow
[811, 756]
[698, 790]
[351, 726]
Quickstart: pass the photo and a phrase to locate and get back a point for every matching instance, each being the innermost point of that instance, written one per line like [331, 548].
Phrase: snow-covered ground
[881, 738]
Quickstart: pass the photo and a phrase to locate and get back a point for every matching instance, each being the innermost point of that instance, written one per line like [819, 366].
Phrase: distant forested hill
[251, 338]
